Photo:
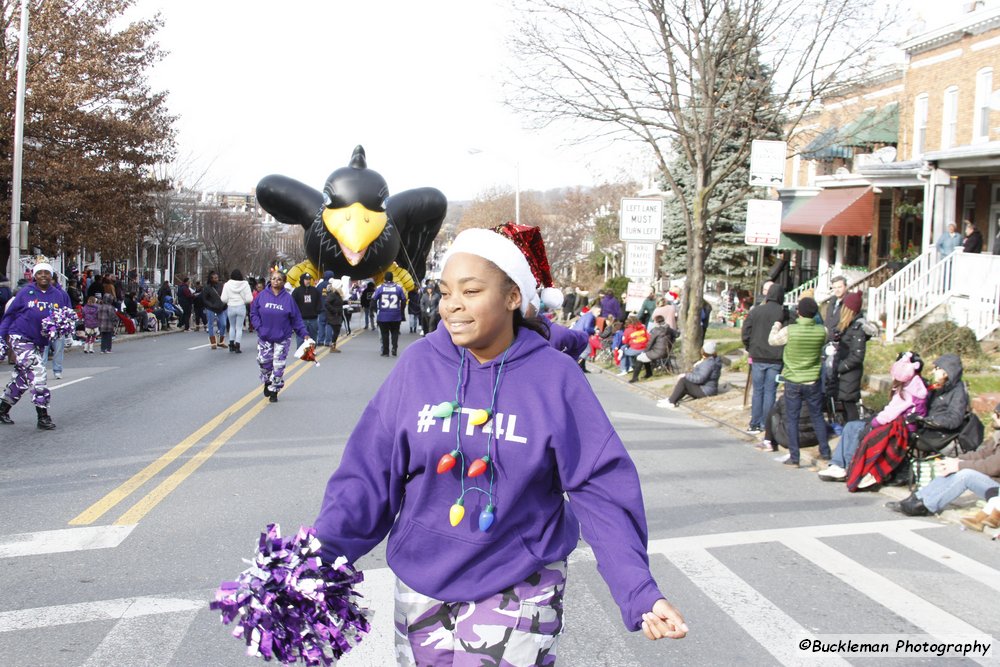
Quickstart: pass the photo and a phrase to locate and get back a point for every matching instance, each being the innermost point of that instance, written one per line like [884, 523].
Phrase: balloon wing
[288, 200]
[417, 215]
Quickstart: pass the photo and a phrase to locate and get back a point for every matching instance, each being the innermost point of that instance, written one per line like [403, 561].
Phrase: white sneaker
[782, 458]
[867, 481]
[834, 473]
[622, 372]
[58, 376]
[667, 404]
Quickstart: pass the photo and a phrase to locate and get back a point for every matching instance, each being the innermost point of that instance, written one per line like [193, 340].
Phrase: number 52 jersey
[391, 302]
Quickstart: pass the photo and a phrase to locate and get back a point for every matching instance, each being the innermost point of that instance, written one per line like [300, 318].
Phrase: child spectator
[91, 325]
[909, 396]
[107, 318]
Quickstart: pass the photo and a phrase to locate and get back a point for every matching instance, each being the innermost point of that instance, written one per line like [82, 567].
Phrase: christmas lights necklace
[481, 465]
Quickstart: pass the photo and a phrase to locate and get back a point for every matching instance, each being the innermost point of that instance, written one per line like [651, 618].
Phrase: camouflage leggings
[271, 359]
[517, 627]
[29, 371]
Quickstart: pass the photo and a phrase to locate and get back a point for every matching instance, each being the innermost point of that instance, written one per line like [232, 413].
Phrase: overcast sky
[291, 88]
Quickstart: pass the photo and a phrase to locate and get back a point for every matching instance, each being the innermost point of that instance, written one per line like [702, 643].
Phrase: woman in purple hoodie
[275, 316]
[463, 458]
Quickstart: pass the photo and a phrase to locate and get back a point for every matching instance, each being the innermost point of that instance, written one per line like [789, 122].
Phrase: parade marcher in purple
[469, 430]
[21, 329]
[275, 316]
[390, 299]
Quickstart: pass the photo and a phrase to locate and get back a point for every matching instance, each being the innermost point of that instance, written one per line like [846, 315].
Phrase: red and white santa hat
[518, 250]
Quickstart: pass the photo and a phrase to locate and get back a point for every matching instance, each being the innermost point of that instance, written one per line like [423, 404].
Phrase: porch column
[841, 253]
[823, 265]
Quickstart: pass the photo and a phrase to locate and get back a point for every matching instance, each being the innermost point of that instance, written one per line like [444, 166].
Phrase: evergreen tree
[727, 256]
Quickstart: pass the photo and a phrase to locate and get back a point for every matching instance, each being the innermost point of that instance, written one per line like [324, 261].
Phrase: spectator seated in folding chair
[908, 397]
[658, 348]
[966, 466]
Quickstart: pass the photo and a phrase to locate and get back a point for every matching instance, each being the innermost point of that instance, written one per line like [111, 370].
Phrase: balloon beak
[354, 227]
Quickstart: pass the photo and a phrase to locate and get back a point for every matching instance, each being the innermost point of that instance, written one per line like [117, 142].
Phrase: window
[919, 125]
[949, 118]
[981, 120]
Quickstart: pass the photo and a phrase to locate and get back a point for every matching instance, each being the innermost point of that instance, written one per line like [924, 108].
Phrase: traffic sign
[641, 220]
[763, 222]
[640, 260]
[767, 163]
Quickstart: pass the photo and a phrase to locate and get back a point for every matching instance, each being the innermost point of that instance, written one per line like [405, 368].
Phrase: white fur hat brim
[41, 266]
[502, 252]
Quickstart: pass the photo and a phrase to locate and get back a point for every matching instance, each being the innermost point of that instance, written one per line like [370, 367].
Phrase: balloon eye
[326, 200]
[385, 204]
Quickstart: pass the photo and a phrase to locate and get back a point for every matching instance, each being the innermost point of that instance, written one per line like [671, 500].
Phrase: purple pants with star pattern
[28, 373]
[271, 358]
[517, 627]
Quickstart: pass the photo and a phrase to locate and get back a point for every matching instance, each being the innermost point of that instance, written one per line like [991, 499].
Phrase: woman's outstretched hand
[663, 622]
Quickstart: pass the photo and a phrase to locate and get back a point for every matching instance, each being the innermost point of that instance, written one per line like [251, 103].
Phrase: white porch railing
[923, 284]
[878, 297]
[792, 296]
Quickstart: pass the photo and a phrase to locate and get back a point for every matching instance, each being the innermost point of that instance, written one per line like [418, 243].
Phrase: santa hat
[519, 251]
[529, 241]
[502, 252]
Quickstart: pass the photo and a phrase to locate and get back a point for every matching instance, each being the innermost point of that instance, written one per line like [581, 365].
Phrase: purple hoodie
[548, 442]
[570, 341]
[275, 317]
[30, 306]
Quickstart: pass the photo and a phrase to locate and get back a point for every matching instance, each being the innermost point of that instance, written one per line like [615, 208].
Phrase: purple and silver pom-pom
[59, 322]
[291, 605]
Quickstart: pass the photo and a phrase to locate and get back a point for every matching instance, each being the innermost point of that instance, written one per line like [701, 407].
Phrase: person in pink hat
[908, 397]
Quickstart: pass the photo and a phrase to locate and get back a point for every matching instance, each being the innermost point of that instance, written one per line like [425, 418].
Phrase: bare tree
[666, 72]
[574, 219]
[231, 239]
[496, 206]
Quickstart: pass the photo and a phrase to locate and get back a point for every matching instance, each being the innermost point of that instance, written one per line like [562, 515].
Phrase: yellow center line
[102, 506]
[164, 488]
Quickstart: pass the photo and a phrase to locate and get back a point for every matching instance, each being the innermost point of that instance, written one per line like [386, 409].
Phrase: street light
[15, 199]
[517, 181]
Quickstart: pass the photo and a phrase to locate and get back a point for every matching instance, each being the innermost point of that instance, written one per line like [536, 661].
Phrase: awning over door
[834, 212]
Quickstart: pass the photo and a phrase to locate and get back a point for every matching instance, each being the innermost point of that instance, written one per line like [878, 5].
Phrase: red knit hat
[853, 301]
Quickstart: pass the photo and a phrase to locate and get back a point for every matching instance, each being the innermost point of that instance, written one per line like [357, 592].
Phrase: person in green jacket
[803, 342]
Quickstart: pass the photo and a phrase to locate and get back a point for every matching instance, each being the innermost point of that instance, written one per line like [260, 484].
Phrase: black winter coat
[333, 305]
[851, 360]
[758, 325]
[946, 407]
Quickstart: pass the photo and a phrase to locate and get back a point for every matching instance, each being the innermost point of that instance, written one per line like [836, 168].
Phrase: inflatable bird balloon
[353, 227]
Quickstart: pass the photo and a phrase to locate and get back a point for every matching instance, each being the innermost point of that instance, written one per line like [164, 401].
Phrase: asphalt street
[167, 463]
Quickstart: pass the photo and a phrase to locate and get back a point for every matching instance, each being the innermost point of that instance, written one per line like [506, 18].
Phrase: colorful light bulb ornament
[444, 410]
[447, 462]
[486, 518]
[457, 512]
[480, 417]
[479, 466]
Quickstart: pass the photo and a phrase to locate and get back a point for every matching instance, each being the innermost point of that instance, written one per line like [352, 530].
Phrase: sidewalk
[726, 410]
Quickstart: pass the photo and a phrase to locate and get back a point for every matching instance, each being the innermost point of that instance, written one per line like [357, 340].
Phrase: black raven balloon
[353, 227]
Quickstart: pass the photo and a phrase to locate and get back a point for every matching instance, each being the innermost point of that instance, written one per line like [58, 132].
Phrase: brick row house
[874, 178]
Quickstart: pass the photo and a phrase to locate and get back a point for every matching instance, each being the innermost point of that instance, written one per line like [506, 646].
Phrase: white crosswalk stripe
[149, 630]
